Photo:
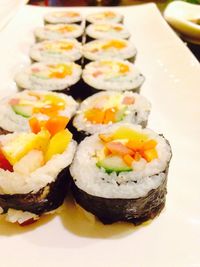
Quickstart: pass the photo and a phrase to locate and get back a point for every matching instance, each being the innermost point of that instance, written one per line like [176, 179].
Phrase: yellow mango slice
[127, 133]
[58, 144]
[23, 143]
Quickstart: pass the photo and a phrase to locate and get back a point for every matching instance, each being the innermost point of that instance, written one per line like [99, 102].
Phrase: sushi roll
[60, 77]
[62, 17]
[57, 51]
[109, 48]
[106, 31]
[105, 108]
[103, 17]
[34, 176]
[112, 75]
[59, 31]
[19, 111]
[121, 173]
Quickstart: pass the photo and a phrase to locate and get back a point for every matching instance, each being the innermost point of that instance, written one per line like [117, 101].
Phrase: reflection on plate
[71, 238]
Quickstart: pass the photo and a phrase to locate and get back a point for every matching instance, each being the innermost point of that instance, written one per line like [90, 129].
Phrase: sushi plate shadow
[83, 224]
[11, 229]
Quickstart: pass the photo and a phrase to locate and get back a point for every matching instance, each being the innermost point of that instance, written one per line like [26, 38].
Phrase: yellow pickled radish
[58, 144]
[17, 148]
[54, 100]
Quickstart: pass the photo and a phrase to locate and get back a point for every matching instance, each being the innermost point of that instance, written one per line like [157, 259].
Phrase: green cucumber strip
[120, 114]
[113, 164]
[25, 111]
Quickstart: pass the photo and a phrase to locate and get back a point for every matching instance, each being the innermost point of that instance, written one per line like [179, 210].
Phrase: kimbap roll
[61, 17]
[109, 48]
[49, 76]
[34, 176]
[19, 111]
[120, 174]
[59, 31]
[112, 75]
[106, 31]
[57, 51]
[103, 17]
[105, 108]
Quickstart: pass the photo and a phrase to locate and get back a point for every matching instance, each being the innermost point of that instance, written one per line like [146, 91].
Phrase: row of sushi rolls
[78, 123]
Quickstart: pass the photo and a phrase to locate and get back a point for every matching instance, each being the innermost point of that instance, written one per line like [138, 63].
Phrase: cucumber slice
[120, 114]
[25, 111]
[113, 164]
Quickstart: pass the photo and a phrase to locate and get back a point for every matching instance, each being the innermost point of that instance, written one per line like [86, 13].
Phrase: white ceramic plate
[8, 9]
[172, 85]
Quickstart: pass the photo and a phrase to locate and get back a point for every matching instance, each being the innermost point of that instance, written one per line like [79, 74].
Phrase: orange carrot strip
[106, 151]
[150, 154]
[150, 144]
[34, 125]
[50, 110]
[123, 68]
[128, 160]
[135, 145]
[105, 137]
[109, 115]
[56, 124]
[137, 156]
[94, 115]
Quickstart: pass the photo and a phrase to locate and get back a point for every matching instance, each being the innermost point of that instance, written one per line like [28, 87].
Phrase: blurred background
[195, 48]
[161, 3]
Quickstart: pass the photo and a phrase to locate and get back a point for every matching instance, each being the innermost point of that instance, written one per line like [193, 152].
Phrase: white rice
[13, 122]
[20, 216]
[102, 16]
[137, 183]
[52, 32]
[107, 31]
[42, 52]
[109, 79]
[18, 183]
[27, 80]
[94, 50]
[136, 113]
[63, 16]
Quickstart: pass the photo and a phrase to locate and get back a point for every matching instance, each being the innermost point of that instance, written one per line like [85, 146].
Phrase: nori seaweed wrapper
[93, 3]
[136, 210]
[3, 131]
[85, 60]
[78, 136]
[88, 38]
[46, 199]
[77, 22]
[92, 90]
[79, 91]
